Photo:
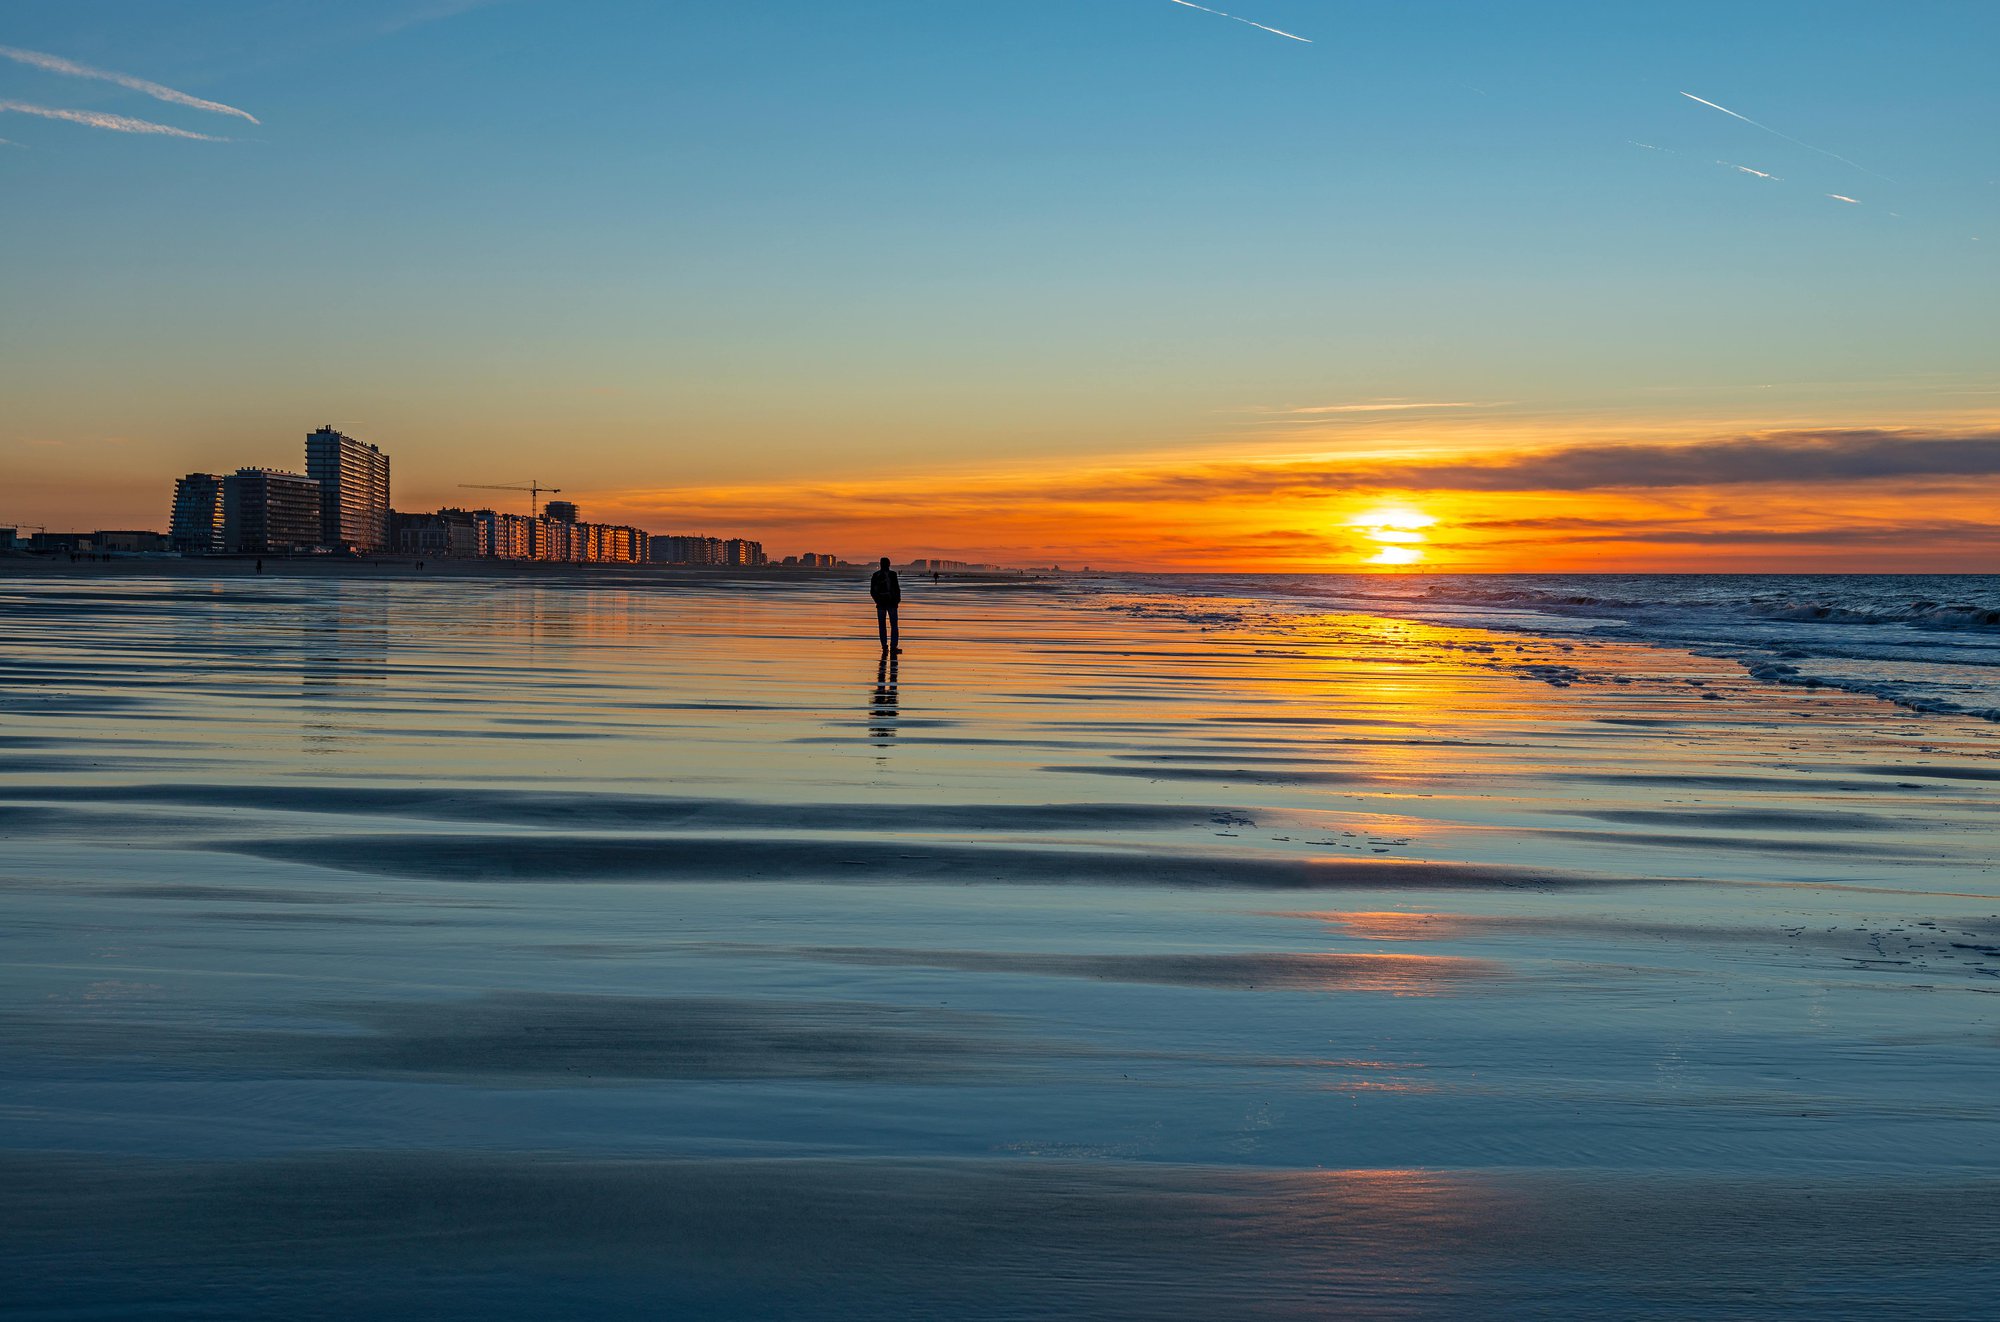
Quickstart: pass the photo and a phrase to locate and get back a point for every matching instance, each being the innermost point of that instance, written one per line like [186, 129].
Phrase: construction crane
[534, 490]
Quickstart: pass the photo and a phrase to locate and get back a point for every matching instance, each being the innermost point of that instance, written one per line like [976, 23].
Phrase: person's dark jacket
[886, 588]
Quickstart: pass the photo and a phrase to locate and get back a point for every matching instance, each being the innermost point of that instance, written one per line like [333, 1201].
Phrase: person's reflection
[343, 642]
[882, 707]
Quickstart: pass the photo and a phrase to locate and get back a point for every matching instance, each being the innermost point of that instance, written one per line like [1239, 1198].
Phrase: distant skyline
[1123, 282]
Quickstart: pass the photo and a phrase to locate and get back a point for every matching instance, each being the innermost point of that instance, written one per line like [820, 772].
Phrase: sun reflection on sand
[1388, 925]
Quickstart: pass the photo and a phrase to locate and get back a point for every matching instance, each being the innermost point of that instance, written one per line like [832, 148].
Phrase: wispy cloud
[1278, 32]
[434, 11]
[97, 119]
[70, 68]
[1835, 156]
[1378, 406]
[1754, 173]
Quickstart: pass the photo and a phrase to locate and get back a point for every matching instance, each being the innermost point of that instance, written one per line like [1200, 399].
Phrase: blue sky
[712, 243]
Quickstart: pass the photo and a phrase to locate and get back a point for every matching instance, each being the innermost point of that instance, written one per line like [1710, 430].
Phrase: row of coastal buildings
[340, 504]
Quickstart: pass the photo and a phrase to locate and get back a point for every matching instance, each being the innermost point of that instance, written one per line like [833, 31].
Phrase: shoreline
[1148, 593]
[541, 571]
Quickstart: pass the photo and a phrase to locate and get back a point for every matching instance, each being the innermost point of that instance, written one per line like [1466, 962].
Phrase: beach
[403, 944]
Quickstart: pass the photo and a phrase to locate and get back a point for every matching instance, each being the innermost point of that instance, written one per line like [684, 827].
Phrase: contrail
[97, 119]
[57, 64]
[1786, 136]
[1761, 174]
[1842, 197]
[1279, 32]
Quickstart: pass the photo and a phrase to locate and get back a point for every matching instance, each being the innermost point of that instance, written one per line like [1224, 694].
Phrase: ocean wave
[1916, 612]
[1927, 643]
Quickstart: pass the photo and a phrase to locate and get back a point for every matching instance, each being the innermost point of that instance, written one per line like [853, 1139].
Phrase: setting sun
[1398, 532]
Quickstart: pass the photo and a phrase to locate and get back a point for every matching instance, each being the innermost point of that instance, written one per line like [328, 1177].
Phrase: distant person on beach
[887, 590]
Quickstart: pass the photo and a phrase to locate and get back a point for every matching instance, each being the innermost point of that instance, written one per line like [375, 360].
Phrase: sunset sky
[1118, 282]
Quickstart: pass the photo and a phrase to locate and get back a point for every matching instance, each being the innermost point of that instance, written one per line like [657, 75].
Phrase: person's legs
[895, 631]
[882, 624]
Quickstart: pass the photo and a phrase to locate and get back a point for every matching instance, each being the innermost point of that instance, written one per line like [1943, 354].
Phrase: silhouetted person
[260, 566]
[887, 590]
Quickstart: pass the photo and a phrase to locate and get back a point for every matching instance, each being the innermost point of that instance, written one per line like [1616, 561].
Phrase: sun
[1398, 532]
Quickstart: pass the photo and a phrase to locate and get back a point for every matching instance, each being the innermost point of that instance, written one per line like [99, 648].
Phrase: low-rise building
[119, 541]
[61, 543]
[561, 541]
[675, 549]
[447, 534]
[505, 536]
[625, 544]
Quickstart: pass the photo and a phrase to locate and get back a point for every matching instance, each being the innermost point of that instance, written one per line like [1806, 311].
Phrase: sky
[1118, 282]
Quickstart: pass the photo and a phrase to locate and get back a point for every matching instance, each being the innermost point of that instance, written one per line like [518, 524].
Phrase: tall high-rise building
[353, 479]
[563, 511]
[196, 528]
[268, 512]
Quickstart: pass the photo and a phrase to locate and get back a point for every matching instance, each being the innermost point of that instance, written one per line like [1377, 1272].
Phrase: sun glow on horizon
[1398, 532]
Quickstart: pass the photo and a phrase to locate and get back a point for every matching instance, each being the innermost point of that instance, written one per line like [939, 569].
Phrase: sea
[1925, 642]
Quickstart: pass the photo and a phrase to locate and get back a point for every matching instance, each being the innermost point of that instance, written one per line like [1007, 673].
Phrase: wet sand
[496, 947]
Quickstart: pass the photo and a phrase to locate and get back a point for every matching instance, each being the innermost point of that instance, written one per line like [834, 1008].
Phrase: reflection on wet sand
[1396, 974]
[1958, 946]
[882, 708]
[597, 962]
[486, 1235]
[571, 1039]
[343, 668]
